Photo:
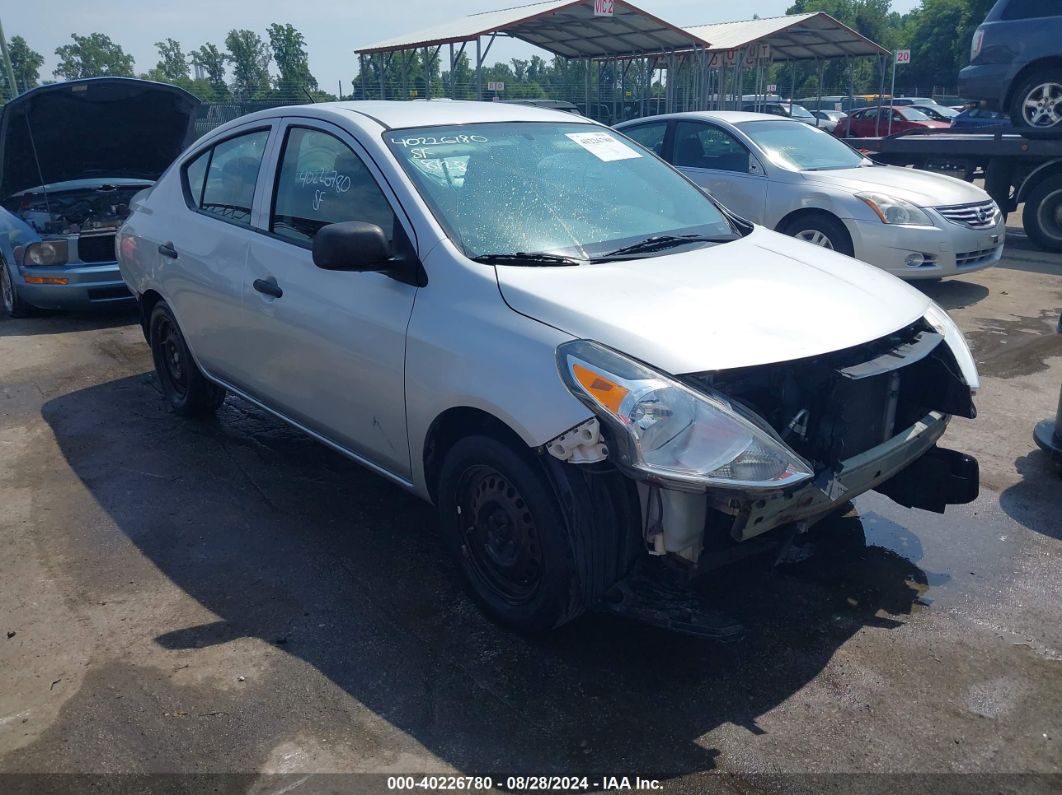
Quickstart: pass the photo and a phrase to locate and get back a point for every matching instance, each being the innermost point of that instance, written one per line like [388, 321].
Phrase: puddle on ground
[1019, 347]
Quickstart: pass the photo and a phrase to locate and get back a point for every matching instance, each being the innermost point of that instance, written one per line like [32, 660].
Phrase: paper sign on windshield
[603, 146]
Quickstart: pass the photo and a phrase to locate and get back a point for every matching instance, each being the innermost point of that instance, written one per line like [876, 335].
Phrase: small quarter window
[195, 177]
[651, 135]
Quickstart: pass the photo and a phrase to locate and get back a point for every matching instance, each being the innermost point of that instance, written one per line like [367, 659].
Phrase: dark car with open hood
[72, 156]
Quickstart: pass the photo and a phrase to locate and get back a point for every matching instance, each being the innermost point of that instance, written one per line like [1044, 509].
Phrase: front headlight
[895, 211]
[943, 324]
[47, 252]
[664, 429]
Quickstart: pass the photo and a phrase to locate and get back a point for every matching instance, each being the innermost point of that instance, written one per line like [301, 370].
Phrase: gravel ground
[231, 598]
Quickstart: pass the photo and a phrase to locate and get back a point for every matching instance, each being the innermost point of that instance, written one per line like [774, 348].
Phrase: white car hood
[922, 188]
[765, 298]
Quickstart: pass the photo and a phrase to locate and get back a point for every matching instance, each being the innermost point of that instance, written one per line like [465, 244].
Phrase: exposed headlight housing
[46, 252]
[943, 324]
[895, 211]
[671, 433]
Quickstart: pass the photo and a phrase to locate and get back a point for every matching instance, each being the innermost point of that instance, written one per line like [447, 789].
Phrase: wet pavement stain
[1019, 347]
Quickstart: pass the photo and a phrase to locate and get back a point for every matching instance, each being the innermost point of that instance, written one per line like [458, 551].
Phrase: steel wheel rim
[1042, 106]
[816, 238]
[170, 357]
[499, 536]
[7, 290]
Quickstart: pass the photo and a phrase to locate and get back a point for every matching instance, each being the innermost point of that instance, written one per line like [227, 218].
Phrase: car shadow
[952, 293]
[1036, 500]
[56, 322]
[286, 541]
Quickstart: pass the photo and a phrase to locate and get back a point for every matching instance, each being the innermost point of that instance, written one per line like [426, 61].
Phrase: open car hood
[107, 127]
[762, 299]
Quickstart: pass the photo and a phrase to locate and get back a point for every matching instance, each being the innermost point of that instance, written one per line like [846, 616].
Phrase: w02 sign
[604, 8]
[903, 56]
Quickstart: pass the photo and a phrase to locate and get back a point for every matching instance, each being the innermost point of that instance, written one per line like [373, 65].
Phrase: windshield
[575, 190]
[800, 112]
[800, 147]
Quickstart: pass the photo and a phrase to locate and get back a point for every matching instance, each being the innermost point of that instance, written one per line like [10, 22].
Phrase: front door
[330, 345]
[720, 163]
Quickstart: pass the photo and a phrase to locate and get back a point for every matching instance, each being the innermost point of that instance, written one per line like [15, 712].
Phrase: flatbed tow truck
[1017, 170]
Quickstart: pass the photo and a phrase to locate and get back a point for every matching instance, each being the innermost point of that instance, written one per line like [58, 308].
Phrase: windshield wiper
[541, 259]
[662, 242]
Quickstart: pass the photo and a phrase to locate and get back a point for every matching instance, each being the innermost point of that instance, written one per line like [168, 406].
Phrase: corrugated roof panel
[564, 27]
[796, 36]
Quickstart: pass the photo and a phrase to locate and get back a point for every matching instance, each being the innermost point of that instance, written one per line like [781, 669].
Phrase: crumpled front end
[862, 418]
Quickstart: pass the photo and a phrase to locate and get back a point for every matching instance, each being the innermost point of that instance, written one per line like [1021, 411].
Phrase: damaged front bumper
[859, 474]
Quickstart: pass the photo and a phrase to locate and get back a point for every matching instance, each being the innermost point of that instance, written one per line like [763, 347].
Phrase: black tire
[1037, 102]
[528, 563]
[820, 229]
[183, 384]
[9, 297]
[1042, 214]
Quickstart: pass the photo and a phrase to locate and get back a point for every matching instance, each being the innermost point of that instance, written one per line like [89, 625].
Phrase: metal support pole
[818, 96]
[883, 64]
[479, 70]
[361, 70]
[892, 92]
[792, 85]
[383, 87]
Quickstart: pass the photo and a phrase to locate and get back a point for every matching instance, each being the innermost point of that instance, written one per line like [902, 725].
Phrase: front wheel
[183, 384]
[1042, 214]
[1037, 104]
[13, 305]
[821, 230]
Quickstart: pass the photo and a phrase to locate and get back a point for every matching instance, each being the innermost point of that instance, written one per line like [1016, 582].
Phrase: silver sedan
[803, 182]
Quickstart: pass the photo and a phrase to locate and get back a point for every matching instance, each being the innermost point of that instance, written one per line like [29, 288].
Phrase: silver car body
[369, 364]
[958, 241]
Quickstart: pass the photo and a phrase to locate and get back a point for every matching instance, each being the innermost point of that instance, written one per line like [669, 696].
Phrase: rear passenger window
[231, 174]
[651, 136]
[1031, 9]
[700, 145]
[321, 181]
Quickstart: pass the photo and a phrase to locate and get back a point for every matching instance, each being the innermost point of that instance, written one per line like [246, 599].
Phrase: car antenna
[37, 161]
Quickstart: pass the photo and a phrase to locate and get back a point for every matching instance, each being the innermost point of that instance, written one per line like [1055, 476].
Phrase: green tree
[94, 55]
[293, 63]
[250, 57]
[212, 61]
[173, 64]
[25, 63]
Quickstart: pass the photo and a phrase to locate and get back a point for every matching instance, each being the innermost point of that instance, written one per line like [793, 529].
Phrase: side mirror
[351, 246]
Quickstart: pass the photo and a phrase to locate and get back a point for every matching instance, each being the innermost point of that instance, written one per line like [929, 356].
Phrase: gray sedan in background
[803, 182]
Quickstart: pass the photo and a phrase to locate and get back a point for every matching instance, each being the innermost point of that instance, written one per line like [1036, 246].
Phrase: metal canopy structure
[797, 37]
[699, 67]
[568, 28]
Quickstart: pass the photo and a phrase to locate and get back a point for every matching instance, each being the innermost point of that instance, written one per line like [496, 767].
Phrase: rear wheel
[13, 305]
[1037, 104]
[820, 230]
[1042, 215]
[528, 563]
[183, 384]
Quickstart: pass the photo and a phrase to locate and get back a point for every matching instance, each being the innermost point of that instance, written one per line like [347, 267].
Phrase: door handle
[268, 286]
[167, 250]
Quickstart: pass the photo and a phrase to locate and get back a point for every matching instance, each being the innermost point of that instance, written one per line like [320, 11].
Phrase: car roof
[726, 116]
[393, 114]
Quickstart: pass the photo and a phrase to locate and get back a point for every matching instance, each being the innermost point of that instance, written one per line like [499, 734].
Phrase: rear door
[328, 347]
[717, 161]
[203, 252]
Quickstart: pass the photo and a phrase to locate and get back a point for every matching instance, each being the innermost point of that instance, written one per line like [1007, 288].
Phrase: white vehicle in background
[806, 183]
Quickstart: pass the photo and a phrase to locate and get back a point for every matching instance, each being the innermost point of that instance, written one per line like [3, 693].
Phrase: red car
[871, 122]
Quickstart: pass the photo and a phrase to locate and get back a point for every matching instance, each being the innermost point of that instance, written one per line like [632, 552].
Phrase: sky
[333, 28]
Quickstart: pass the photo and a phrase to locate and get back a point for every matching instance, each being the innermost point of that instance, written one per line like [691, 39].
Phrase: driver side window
[322, 181]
